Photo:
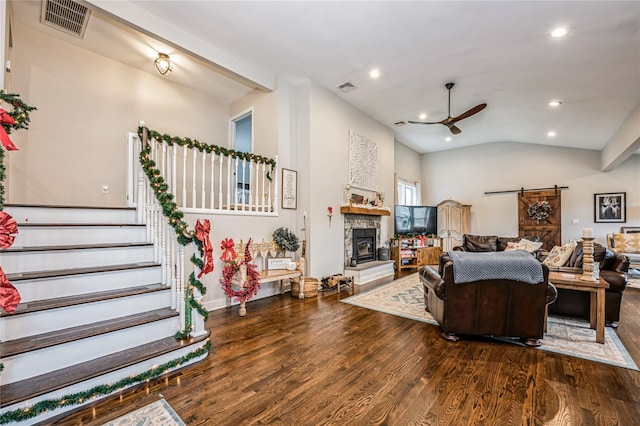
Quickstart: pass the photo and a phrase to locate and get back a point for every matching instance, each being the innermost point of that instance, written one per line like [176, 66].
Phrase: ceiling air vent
[346, 87]
[65, 15]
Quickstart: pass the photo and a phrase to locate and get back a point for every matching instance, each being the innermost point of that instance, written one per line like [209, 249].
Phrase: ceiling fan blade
[400, 123]
[476, 109]
[429, 122]
[454, 129]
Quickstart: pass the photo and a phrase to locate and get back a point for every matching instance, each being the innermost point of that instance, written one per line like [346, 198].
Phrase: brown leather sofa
[490, 307]
[613, 269]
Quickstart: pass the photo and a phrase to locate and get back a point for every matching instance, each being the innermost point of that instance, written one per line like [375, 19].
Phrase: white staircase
[93, 312]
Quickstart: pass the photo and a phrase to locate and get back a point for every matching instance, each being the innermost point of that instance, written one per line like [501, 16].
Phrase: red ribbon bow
[9, 296]
[202, 234]
[6, 120]
[8, 226]
[228, 253]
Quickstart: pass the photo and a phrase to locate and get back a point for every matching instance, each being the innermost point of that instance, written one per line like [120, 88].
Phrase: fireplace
[364, 245]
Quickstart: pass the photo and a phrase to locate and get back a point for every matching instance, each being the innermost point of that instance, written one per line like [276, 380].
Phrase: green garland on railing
[100, 390]
[171, 211]
[218, 150]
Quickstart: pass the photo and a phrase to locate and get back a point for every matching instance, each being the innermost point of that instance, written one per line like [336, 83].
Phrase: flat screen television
[416, 220]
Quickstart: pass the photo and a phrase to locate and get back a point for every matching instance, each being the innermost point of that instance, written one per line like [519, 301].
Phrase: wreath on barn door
[539, 210]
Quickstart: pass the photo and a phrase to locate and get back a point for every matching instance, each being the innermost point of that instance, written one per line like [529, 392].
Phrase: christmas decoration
[539, 210]
[286, 239]
[202, 234]
[15, 119]
[228, 253]
[203, 147]
[330, 214]
[248, 287]
[9, 296]
[100, 390]
[174, 217]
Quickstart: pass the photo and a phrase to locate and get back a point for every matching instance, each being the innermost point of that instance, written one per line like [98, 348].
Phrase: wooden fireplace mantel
[364, 210]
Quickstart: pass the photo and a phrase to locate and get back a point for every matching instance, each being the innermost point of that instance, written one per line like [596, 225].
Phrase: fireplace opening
[364, 245]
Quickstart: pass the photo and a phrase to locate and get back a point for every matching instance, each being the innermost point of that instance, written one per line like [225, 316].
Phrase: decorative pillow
[626, 243]
[480, 243]
[523, 244]
[559, 255]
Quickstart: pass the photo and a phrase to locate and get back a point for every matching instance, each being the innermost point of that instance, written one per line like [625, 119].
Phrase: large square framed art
[610, 207]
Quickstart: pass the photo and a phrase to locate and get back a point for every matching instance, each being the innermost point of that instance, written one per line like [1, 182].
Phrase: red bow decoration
[9, 296]
[6, 119]
[228, 253]
[8, 226]
[202, 234]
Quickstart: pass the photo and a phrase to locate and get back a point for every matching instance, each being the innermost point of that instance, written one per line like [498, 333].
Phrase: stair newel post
[274, 184]
[180, 294]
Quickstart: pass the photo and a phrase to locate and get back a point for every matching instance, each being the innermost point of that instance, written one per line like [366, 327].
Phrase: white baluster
[211, 187]
[204, 179]
[220, 183]
[194, 153]
[184, 176]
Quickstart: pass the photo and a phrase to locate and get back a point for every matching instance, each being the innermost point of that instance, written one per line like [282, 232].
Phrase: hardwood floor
[321, 362]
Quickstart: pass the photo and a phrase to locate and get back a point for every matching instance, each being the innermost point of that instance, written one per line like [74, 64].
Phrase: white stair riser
[23, 325]
[71, 285]
[46, 260]
[112, 377]
[49, 359]
[70, 215]
[40, 236]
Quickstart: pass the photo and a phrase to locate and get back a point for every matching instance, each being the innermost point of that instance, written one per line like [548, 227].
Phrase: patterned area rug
[633, 282]
[158, 413]
[404, 298]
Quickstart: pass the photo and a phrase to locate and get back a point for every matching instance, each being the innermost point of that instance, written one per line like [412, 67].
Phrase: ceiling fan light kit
[450, 122]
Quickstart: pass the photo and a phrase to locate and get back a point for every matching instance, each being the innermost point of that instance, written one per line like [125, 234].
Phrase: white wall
[466, 174]
[86, 105]
[330, 121]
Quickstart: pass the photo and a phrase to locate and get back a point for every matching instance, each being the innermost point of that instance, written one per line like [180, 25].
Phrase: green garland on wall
[204, 147]
[100, 390]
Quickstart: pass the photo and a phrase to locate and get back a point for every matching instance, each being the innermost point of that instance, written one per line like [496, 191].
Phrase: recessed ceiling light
[554, 103]
[551, 134]
[448, 139]
[422, 116]
[374, 73]
[559, 32]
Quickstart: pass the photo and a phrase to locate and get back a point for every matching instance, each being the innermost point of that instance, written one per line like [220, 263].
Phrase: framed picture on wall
[289, 189]
[610, 207]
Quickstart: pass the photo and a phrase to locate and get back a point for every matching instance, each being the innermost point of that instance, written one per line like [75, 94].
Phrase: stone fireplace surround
[358, 221]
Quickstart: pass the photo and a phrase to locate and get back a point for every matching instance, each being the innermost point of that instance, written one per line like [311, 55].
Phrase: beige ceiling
[496, 52]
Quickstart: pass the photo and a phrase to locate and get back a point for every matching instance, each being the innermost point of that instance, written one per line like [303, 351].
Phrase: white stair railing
[162, 187]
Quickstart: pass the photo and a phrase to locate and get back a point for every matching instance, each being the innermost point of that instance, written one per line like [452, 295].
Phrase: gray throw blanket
[516, 265]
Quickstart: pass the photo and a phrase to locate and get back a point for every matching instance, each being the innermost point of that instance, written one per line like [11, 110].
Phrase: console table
[596, 288]
[281, 275]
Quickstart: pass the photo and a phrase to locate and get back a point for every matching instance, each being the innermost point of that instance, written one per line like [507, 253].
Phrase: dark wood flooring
[322, 362]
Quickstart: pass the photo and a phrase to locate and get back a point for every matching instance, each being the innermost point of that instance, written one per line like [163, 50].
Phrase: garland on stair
[100, 390]
[175, 217]
[203, 147]
[15, 119]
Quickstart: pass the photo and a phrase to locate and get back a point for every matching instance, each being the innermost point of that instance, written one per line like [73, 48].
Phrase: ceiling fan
[450, 122]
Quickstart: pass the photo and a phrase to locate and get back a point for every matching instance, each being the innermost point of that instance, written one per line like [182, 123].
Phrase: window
[408, 193]
[242, 133]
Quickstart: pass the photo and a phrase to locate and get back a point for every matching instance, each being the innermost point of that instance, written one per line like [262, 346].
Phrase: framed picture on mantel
[289, 189]
[610, 207]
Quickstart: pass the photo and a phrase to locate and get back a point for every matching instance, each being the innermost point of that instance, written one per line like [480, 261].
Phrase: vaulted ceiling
[499, 53]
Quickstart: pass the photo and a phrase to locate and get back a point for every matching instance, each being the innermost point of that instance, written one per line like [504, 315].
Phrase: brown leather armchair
[491, 307]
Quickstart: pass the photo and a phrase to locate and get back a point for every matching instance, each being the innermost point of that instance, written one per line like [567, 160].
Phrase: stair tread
[48, 206]
[76, 247]
[79, 299]
[57, 337]
[78, 271]
[23, 390]
[71, 225]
